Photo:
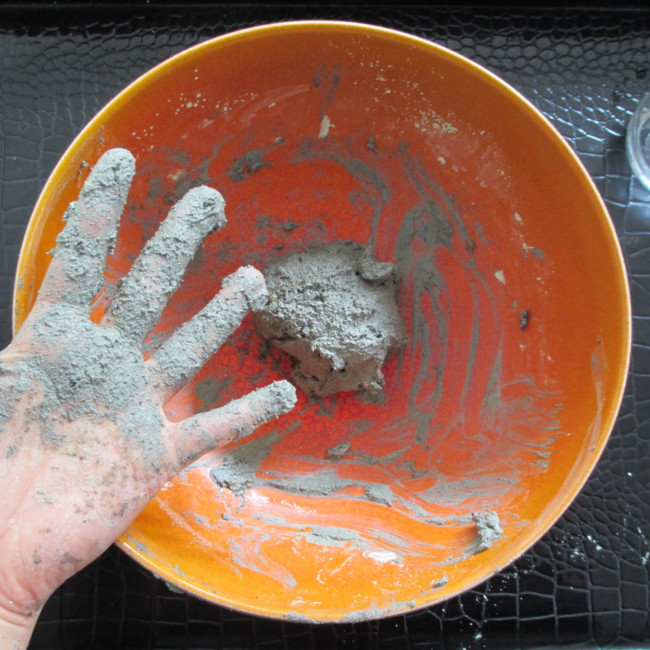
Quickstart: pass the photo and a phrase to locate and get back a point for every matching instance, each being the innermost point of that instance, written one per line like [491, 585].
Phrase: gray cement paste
[333, 309]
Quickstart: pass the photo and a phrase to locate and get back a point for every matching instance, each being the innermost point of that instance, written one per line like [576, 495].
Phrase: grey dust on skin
[85, 441]
[82, 254]
[333, 308]
[164, 259]
[97, 371]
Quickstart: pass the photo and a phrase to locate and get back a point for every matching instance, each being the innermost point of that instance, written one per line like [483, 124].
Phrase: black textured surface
[587, 582]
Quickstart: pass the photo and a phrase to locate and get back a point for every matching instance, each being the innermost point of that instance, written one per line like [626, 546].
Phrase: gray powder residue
[12, 385]
[249, 163]
[87, 383]
[440, 583]
[94, 374]
[488, 528]
[333, 309]
[237, 472]
[338, 451]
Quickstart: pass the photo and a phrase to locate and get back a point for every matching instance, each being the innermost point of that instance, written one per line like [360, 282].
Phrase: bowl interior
[513, 292]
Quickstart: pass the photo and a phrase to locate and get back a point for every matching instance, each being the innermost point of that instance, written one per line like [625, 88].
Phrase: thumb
[204, 432]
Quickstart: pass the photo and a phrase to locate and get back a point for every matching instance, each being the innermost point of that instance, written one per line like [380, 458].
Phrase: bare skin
[84, 440]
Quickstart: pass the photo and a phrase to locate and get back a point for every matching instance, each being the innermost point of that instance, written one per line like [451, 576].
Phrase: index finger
[75, 273]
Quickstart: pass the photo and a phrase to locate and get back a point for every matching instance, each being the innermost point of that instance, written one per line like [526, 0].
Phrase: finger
[158, 271]
[75, 274]
[202, 433]
[199, 338]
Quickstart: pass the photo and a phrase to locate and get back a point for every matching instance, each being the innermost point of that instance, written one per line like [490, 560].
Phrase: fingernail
[205, 203]
[111, 176]
[276, 399]
[120, 161]
[250, 282]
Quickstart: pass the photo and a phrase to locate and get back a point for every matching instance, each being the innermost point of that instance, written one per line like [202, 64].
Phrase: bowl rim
[551, 514]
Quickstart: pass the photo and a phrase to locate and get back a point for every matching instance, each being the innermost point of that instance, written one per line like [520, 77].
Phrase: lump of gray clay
[333, 309]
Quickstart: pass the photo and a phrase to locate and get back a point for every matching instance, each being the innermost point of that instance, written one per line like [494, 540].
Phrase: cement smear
[333, 309]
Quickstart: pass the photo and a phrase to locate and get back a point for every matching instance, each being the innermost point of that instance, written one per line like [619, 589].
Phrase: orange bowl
[513, 291]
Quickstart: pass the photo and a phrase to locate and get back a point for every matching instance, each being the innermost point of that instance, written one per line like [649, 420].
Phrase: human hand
[84, 439]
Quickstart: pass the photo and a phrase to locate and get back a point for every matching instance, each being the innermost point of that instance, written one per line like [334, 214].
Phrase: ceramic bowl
[513, 292]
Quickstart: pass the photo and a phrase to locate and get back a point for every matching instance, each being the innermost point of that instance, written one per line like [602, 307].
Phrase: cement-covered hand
[84, 440]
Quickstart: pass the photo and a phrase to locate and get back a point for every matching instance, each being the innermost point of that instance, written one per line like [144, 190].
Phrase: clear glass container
[638, 141]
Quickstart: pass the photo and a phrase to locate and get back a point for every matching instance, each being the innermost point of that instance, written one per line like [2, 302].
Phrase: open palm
[84, 440]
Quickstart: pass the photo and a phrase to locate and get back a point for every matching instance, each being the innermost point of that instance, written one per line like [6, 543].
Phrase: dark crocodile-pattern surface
[587, 582]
